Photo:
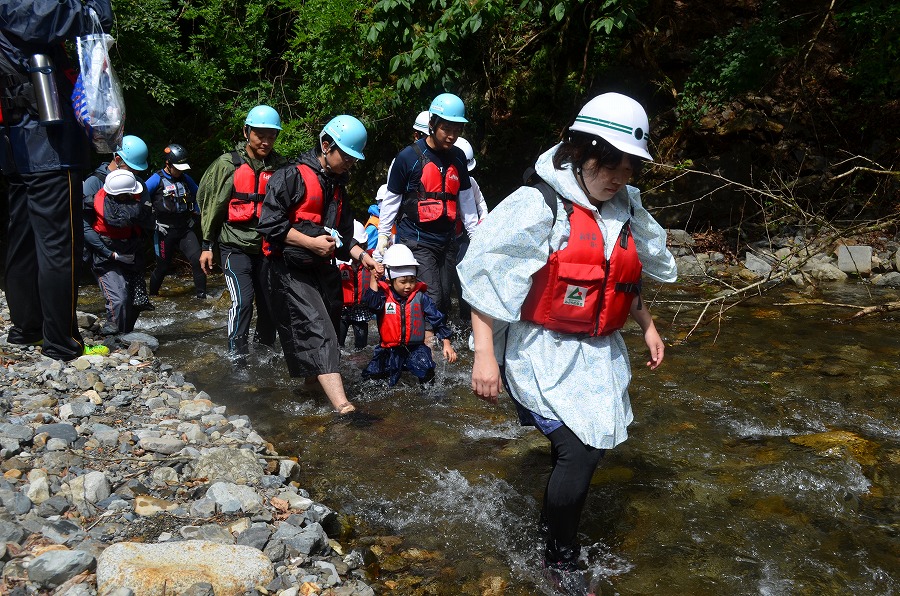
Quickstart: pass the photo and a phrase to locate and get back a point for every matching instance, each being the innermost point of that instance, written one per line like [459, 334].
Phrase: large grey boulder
[174, 567]
[55, 567]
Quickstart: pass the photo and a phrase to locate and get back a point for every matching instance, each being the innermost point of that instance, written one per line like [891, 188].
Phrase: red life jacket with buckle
[354, 281]
[104, 227]
[247, 192]
[436, 200]
[312, 205]
[579, 291]
[401, 322]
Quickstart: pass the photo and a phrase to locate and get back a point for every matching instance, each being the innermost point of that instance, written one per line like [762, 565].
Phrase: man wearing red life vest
[230, 195]
[306, 223]
[428, 189]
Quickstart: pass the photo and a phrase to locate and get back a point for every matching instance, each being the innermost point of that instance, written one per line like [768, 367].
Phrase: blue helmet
[133, 152]
[449, 107]
[348, 133]
[263, 117]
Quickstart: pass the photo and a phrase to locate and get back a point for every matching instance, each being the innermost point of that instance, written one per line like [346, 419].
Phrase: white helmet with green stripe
[617, 119]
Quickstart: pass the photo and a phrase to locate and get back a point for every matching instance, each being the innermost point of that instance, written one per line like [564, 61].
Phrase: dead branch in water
[780, 198]
[877, 309]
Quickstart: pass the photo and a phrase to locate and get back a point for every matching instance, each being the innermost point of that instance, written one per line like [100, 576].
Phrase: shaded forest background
[764, 114]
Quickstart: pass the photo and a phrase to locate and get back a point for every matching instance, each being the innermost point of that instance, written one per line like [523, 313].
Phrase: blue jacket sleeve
[373, 300]
[151, 184]
[372, 235]
[437, 319]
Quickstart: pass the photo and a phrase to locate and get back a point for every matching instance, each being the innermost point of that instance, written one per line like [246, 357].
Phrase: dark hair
[435, 121]
[579, 148]
[326, 138]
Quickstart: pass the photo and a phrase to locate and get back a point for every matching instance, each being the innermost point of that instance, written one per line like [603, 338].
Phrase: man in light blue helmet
[230, 195]
[306, 223]
[428, 189]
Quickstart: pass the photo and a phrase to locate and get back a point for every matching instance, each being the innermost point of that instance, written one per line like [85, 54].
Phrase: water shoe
[95, 350]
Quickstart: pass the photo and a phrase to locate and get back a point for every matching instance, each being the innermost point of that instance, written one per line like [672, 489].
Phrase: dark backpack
[531, 178]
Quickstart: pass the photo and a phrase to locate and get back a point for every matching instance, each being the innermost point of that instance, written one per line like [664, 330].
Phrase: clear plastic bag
[97, 98]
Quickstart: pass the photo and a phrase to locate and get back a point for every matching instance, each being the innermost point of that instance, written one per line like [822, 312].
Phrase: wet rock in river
[862, 450]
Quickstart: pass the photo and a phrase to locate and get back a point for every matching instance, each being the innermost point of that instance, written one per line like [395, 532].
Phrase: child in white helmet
[354, 283]
[117, 222]
[402, 308]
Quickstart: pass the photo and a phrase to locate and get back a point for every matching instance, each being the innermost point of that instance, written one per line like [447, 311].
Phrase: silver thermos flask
[45, 92]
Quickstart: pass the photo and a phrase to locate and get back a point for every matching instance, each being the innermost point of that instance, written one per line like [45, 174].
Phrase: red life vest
[402, 323]
[311, 206]
[354, 281]
[578, 291]
[247, 192]
[104, 227]
[437, 198]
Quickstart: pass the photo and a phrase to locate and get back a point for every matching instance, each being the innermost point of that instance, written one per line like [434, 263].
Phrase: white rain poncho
[580, 381]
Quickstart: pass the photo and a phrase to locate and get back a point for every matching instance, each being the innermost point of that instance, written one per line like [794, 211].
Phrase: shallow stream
[764, 457]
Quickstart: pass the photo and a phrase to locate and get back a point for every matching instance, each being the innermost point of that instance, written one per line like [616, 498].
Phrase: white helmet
[122, 182]
[359, 234]
[399, 261]
[466, 146]
[421, 123]
[617, 119]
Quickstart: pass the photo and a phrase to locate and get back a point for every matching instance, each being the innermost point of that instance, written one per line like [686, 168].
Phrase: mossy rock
[862, 450]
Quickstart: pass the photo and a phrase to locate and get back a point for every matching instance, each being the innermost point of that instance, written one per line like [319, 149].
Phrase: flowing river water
[764, 457]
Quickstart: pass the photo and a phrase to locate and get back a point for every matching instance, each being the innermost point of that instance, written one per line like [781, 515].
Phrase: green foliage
[428, 39]
[727, 65]
[190, 72]
[871, 27]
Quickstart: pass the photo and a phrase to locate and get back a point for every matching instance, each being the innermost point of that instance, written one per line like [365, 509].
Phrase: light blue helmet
[263, 117]
[449, 107]
[348, 133]
[133, 152]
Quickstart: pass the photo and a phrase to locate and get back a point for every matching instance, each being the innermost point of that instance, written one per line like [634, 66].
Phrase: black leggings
[573, 466]
[185, 240]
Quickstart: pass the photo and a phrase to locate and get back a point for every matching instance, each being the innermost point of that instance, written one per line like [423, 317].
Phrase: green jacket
[213, 196]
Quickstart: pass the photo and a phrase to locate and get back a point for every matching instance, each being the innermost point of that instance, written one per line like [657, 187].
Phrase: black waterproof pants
[164, 245]
[245, 277]
[306, 305]
[116, 286]
[43, 259]
[435, 264]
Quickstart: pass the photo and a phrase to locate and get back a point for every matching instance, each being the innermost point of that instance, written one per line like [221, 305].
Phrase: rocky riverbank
[119, 477]
[804, 261]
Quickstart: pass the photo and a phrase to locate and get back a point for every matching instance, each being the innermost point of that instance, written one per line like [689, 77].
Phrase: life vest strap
[632, 288]
[253, 197]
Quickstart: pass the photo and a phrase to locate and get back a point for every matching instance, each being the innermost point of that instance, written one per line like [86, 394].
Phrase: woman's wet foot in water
[345, 408]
